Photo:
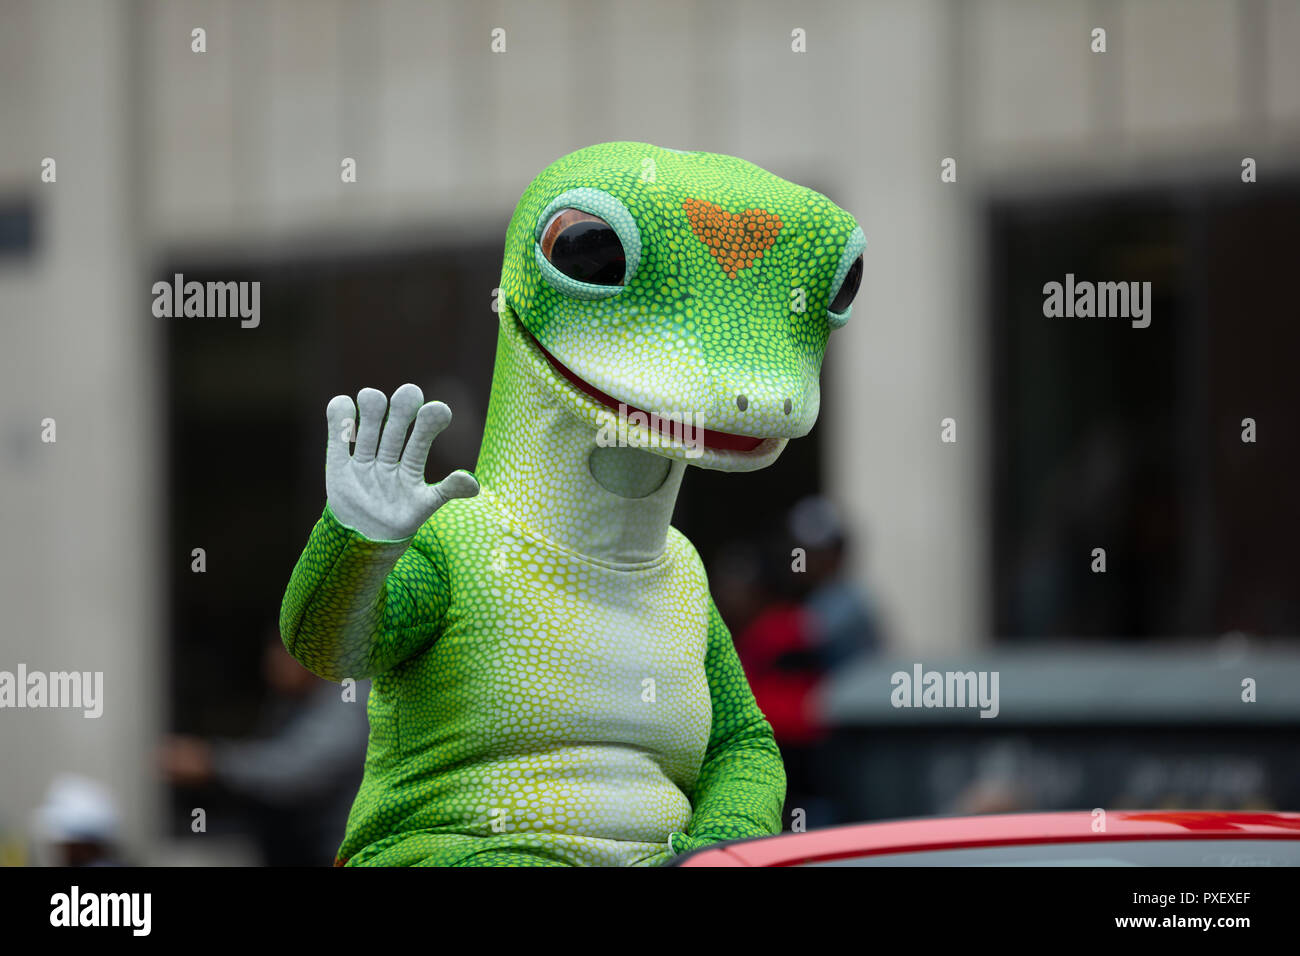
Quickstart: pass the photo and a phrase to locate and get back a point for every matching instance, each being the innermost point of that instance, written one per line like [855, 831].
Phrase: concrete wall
[78, 564]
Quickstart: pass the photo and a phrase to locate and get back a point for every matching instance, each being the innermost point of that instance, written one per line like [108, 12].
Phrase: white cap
[77, 808]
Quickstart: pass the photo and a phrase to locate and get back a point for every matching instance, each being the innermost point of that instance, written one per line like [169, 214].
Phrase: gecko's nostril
[742, 402]
[789, 406]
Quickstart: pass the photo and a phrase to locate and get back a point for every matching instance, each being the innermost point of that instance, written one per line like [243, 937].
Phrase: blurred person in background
[844, 624]
[78, 823]
[815, 620]
[297, 777]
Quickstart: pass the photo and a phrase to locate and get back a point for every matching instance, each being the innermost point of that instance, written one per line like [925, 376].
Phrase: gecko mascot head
[692, 286]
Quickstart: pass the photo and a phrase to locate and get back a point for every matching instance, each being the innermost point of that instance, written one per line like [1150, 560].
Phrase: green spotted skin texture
[552, 683]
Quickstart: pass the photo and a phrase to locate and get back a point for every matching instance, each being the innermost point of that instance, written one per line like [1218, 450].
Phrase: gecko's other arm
[741, 787]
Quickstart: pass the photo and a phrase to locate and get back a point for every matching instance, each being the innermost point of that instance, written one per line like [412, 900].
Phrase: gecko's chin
[711, 439]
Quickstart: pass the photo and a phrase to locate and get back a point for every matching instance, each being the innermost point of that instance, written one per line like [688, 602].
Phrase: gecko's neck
[542, 465]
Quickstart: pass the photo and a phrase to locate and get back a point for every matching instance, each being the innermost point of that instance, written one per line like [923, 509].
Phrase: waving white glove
[383, 495]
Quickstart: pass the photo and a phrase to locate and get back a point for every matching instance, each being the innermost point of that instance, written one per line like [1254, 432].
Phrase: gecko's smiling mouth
[713, 440]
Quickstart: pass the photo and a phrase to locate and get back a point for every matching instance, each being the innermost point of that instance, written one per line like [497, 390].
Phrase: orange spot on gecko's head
[735, 240]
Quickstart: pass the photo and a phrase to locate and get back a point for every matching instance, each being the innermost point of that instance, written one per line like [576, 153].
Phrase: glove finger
[459, 484]
[373, 404]
[429, 423]
[401, 411]
[341, 424]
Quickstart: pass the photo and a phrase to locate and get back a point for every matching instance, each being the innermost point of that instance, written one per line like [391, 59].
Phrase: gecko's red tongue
[718, 441]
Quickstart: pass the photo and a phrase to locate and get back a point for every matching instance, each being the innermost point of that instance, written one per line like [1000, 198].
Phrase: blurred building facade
[164, 153]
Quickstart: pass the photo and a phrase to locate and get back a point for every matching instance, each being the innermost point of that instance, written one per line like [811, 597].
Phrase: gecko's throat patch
[715, 440]
[736, 240]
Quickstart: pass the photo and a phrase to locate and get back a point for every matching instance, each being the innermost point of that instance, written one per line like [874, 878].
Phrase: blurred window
[1130, 439]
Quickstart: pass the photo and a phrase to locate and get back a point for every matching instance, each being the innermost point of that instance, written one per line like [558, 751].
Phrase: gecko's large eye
[584, 247]
[848, 288]
[586, 244]
[847, 279]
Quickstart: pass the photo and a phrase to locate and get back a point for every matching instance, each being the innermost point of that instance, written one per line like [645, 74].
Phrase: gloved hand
[377, 490]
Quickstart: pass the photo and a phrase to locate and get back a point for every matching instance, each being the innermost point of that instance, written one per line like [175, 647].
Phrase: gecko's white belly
[581, 692]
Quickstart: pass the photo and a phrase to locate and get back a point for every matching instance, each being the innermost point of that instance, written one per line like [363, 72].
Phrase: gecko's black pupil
[589, 252]
[844, 298]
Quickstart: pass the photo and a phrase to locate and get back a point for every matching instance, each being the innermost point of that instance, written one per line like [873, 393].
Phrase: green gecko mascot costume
[552, 683]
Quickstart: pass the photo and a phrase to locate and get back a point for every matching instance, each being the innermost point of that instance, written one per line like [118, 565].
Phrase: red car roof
[947, 833]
